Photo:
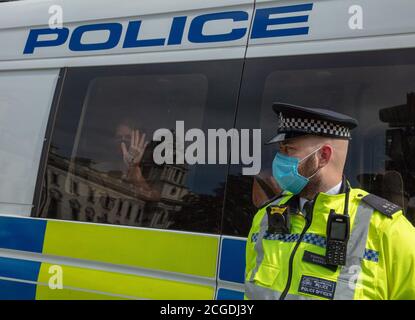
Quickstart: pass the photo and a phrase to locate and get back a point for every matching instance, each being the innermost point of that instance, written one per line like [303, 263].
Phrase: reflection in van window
[100, 166]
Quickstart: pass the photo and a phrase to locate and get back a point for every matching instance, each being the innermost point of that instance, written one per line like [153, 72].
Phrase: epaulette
[382, 205]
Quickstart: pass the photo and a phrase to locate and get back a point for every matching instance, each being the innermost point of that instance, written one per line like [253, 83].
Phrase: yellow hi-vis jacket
[380, 252]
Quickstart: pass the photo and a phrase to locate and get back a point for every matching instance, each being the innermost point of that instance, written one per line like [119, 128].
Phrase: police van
[82, 83]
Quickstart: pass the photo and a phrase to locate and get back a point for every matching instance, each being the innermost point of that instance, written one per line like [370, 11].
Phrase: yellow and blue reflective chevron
[103, 261]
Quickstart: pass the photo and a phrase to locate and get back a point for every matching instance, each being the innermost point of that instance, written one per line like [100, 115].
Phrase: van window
[100, 165]
[377, 88]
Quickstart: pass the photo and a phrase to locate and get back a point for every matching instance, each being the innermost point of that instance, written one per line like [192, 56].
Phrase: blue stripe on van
[225, 294]
[22, 234]
[289, 32]
[288, 20]
[11, 290]
[19, 269]
[232, 260]
[293, 8]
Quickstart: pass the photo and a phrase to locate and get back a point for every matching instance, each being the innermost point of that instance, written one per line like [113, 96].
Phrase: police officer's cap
[294, 121]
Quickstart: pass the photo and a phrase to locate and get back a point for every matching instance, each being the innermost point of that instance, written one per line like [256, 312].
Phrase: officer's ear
[325, 154]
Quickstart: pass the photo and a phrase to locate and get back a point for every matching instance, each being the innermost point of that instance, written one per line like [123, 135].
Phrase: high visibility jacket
[380, 260]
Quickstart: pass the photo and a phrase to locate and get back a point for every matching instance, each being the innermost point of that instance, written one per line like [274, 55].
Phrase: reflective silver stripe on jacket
[259, 248]
[346, 283]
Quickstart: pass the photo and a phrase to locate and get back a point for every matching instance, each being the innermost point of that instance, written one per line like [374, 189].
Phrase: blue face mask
[285, 171]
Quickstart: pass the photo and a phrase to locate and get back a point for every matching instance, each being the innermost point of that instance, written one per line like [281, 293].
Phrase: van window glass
[100, 165]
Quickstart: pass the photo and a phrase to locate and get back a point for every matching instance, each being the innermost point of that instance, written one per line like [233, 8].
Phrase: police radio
[338, 230]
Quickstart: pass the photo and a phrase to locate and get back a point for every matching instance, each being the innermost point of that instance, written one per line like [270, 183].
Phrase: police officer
[321, 238]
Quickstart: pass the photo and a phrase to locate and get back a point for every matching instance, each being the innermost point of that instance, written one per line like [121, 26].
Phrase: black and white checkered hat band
[313, 126]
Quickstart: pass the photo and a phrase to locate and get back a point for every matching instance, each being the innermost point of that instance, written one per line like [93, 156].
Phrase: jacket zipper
[309, 218]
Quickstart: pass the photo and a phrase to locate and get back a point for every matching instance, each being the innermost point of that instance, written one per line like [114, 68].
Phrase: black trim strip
[38, 194]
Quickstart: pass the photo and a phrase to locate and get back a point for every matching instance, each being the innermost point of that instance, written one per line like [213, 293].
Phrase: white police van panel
[181, 31]
[34, 61]
[25, 100]
[330, 26]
